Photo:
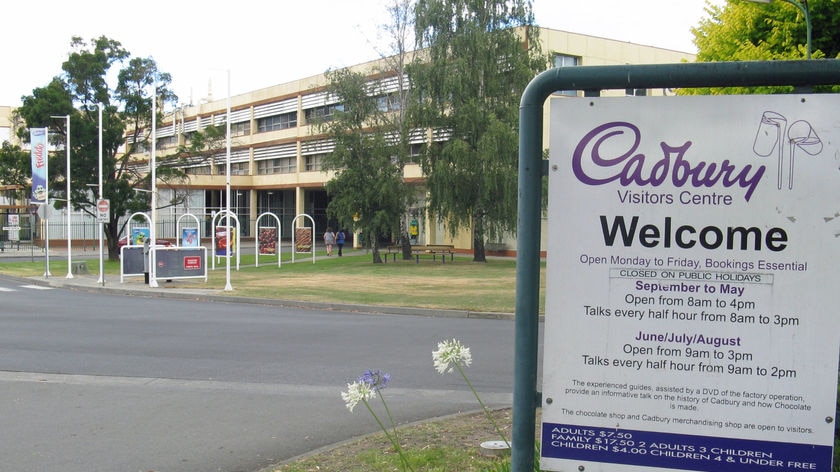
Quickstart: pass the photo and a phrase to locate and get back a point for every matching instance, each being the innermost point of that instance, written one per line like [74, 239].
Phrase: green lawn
[353, 279]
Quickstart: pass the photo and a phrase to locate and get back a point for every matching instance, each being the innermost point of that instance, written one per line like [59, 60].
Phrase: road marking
[37, 287]
[235, 386]
[6, 289]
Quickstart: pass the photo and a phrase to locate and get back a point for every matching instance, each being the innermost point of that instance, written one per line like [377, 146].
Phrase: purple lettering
[608, 153]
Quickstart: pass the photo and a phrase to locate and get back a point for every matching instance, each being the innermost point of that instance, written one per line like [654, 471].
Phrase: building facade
[276, 153]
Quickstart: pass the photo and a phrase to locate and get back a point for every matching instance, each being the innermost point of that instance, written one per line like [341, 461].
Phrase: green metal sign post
[532, 169]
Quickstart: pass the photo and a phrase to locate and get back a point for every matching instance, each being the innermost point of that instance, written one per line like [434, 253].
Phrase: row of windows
[324, 113]
[236, 168]
[564, 60]
[286, 165]
[386, 103]
[280, 165]
[269, 123]
[277, 122]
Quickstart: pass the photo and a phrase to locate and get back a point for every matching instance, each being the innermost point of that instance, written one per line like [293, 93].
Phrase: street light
[803, 7]
[153, 164]
[101, 224]
[67, 177]
[228, 286]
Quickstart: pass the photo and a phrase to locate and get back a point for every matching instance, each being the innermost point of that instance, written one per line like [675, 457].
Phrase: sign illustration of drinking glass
[771, 132]
[801, 135]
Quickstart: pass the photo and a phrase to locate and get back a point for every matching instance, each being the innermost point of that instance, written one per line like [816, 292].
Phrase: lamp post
[67, 178]
[101, 224]
[803, 7]
[228, 286]
[153, 164]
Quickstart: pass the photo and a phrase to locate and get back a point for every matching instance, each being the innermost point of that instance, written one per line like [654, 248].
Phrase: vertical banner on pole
[691, 274]
[38, 152]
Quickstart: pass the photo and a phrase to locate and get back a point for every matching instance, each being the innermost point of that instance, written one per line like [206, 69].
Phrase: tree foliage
[372, 135]
[367, 189]
[477, 59]
[13, 165]
[395, 120]
[79, 92]
[746, 31]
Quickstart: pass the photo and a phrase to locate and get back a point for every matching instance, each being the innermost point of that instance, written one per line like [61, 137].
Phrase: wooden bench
[419, 250]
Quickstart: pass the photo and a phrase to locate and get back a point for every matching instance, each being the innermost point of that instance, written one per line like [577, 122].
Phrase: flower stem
[483, 406]
[391, 438]
[390, 418]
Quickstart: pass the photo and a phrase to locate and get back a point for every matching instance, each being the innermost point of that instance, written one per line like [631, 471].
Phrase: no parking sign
[103, 210]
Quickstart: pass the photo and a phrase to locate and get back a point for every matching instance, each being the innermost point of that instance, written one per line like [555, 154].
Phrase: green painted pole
[685, 75]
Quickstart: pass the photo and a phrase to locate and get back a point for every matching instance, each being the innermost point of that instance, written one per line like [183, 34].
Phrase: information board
[181, 262]
[132, 261]
[692, 258]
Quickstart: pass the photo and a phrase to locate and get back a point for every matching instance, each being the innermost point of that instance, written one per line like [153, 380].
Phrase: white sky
[265, 43]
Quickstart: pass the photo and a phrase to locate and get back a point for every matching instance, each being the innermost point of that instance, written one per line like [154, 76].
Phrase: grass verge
[353, 279]
[449, 444]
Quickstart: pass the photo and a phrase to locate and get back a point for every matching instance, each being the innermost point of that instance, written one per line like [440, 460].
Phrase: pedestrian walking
[329, 240]
[339, 241]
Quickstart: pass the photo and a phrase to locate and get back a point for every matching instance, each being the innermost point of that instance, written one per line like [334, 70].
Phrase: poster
[303, 240]
[13, 221]
[692, 258]
[189, 237]
[267, 240]
[225, 241]
[139, 235]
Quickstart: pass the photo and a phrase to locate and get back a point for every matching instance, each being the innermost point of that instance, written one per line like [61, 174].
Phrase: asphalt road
[104, 382]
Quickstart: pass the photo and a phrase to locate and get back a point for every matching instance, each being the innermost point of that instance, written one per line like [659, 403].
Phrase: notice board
[692, 262]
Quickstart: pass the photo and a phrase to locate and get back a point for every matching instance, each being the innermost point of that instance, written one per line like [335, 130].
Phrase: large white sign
[692, 266]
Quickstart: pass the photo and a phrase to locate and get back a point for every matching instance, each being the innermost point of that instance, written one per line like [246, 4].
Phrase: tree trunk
[111, 240]
[405, 242]
[479, 254]
[374, 246]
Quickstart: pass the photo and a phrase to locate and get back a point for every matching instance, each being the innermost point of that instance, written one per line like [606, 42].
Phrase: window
[280, 165]
[240, 168]
[314, 162]
[240, 129]
[324, 113]
[414, 153]
[389, 102]
[635, 92]
[277, 122]
[563, 60]
[167, 141]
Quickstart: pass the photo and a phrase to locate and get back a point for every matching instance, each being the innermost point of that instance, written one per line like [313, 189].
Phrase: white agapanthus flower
[449, 354]
[357, 392]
